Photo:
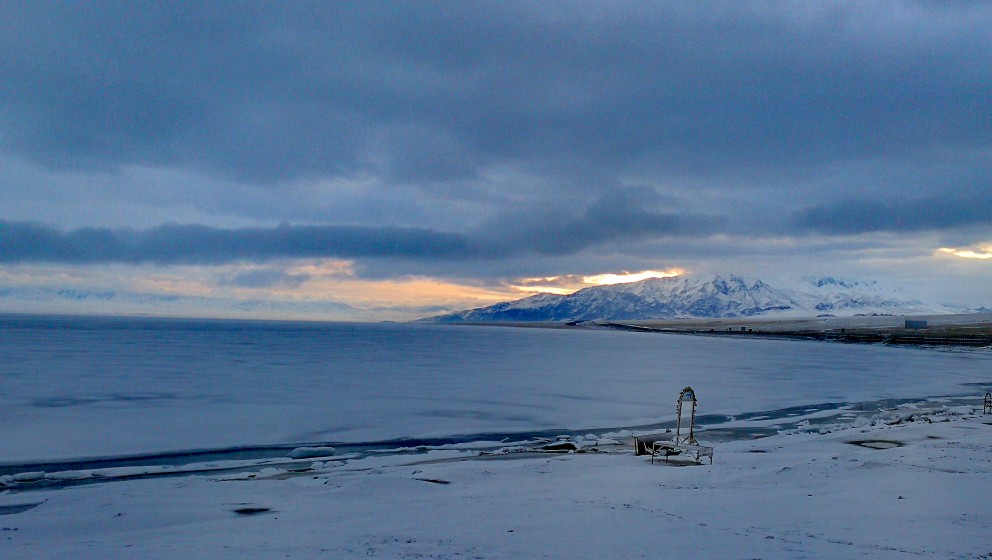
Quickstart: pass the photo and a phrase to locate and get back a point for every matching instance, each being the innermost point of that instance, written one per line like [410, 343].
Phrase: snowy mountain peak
[700, 297]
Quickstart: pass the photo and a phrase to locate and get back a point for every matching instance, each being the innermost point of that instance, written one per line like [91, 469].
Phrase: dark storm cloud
[626, 215]
[423, 93]
[604, 222]
[926, 214]
[198, 244]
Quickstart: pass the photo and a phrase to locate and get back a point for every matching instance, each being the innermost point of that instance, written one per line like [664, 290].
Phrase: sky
[390, 160]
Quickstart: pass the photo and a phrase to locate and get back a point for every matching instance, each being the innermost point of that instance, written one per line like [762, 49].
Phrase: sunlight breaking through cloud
[571, 283]
[980, 252]
[624, 277]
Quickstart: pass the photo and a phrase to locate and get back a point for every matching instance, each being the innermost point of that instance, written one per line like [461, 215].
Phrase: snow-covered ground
[921, 493]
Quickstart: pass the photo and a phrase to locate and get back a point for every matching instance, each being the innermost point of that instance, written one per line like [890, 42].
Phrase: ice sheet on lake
[118, 387]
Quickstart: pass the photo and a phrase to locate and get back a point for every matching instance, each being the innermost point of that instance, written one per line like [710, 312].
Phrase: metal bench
[669, 449]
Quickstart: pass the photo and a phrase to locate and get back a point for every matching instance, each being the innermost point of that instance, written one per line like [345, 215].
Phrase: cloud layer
[269, 92]
[489, 140]
[198, 244]
[605, 222]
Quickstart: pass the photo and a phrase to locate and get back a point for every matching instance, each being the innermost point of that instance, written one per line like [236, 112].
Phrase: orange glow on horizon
[300, 282]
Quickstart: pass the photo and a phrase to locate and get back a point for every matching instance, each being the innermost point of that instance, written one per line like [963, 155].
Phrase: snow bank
[917, 493]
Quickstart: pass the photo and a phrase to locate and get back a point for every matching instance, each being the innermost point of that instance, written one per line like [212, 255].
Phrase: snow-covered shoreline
[794, 495]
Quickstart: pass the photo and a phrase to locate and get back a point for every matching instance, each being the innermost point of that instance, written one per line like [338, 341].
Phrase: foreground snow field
[918, 489]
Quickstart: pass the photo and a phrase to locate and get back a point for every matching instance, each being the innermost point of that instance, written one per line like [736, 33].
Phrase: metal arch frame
[691, 438]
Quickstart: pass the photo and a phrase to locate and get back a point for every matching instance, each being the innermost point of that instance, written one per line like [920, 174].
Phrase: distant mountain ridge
[701, 297]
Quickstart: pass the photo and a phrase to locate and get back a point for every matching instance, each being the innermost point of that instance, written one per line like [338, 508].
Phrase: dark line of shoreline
[859, 336]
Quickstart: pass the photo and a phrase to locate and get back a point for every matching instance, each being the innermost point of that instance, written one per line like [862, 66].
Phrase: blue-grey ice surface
[106, 387]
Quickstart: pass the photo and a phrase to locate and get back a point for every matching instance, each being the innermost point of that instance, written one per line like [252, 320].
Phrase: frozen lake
[109, 387]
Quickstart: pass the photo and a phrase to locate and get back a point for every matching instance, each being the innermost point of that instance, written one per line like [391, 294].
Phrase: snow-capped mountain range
[702, 297]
